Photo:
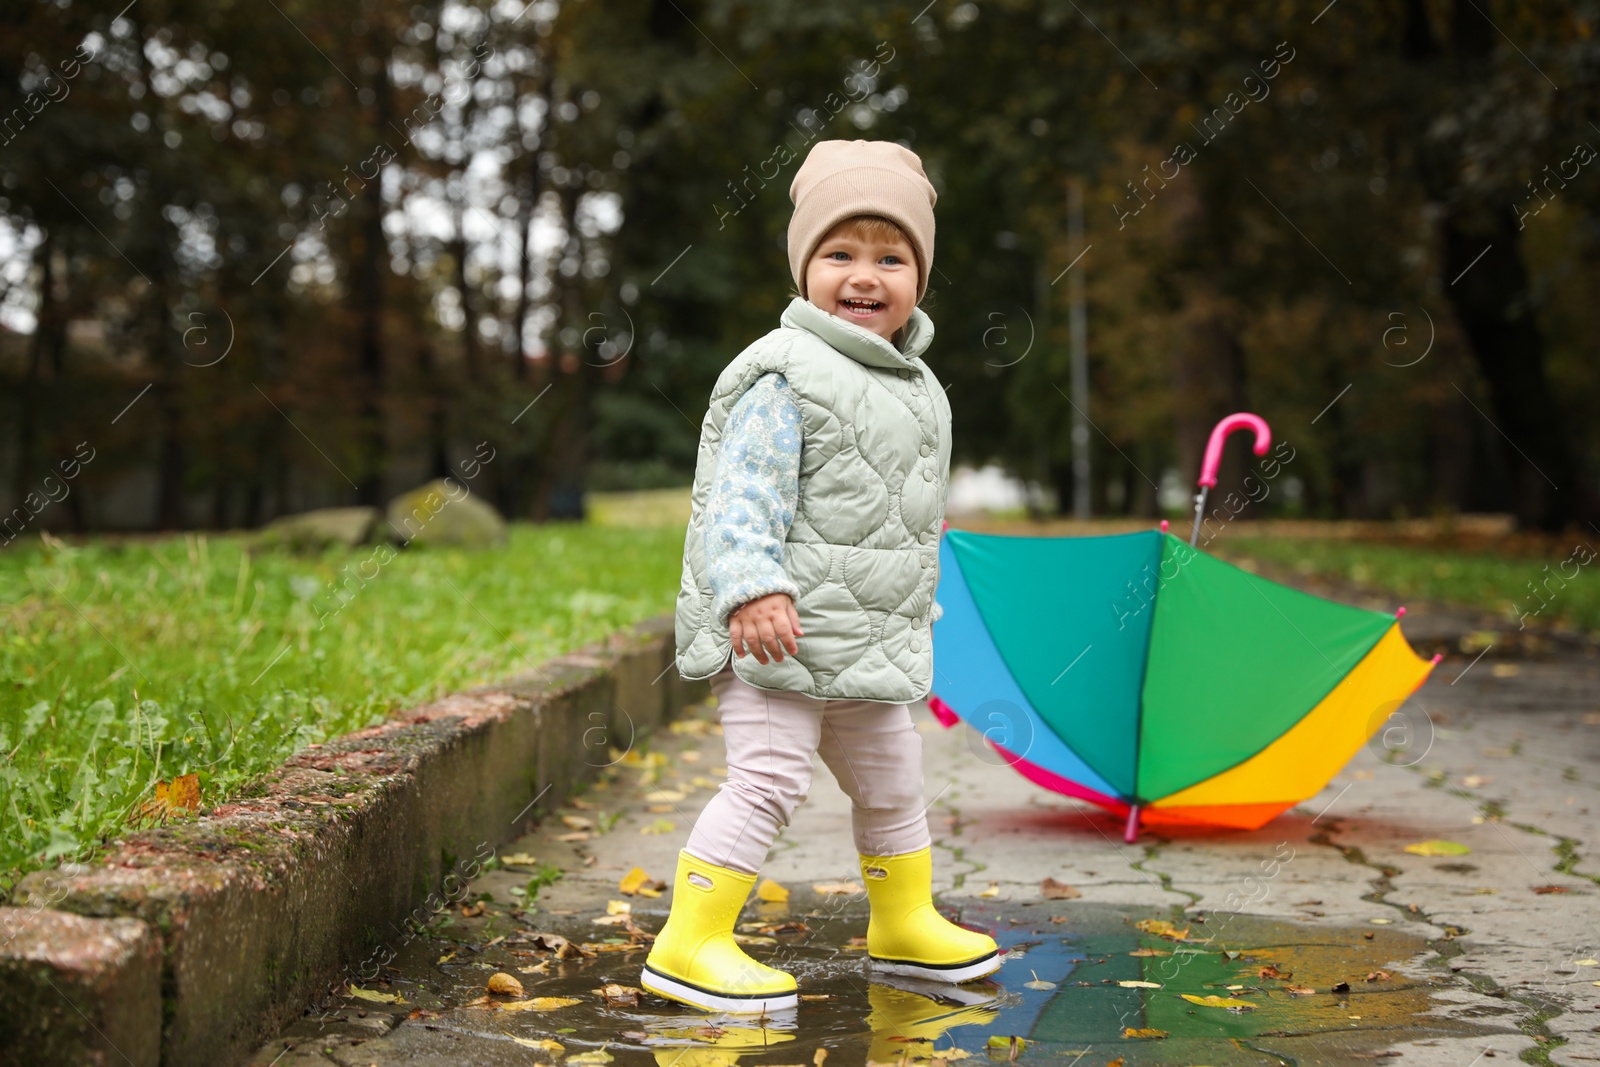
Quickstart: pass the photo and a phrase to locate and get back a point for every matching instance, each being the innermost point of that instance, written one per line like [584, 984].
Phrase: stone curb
[84, 991]
[263, 903]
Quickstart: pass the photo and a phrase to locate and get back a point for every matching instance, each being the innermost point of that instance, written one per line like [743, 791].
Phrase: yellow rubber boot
[695, 959]
[906, 935]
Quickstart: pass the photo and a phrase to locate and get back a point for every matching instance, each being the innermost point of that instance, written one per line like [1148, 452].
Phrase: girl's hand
[769, 624]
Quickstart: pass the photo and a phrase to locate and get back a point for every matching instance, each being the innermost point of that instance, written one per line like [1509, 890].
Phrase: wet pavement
[1336, 945]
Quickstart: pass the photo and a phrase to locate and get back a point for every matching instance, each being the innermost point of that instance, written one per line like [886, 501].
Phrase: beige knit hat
[843, 178]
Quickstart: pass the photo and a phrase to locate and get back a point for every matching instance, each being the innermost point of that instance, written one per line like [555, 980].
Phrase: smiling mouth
[861, 308]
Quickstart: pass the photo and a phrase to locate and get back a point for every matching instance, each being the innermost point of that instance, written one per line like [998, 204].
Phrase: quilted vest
[864, 545]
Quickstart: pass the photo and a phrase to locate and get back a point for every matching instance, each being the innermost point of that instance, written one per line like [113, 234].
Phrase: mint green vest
[864, 544]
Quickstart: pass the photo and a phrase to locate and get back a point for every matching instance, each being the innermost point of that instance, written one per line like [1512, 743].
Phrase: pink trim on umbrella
[943, 712]
[1051, 780]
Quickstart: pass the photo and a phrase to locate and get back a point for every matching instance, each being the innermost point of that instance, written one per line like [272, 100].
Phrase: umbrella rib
[1290, 621]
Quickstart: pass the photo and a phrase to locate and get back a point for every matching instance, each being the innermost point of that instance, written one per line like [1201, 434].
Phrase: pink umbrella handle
[1239, 420]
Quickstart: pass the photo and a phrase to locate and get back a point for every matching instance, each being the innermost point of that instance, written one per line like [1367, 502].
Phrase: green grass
[1571, 594]
[123, 665]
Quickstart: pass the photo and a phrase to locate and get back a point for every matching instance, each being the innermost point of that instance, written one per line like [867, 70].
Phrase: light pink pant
[872, 748]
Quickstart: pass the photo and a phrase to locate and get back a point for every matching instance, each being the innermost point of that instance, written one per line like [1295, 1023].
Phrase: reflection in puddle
[1077, 977]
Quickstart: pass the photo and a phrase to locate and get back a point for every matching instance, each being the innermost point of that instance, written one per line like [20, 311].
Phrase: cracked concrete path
[1500, 756]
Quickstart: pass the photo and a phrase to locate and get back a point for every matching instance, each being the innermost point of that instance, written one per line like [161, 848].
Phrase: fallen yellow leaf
[536, 1004]
[664, 796]
[1162, 928]
[375, 996]
[577, 822]
[1149, 952]
[771, 892]
[180, 794]
[1143, 1032]
[992, 891]
[598, 1055]
[1437, 848]
[1038, 983]
[540, 1043]
[637, 883]
[618, 907]
[838, 887]
[689, 726]
[518, 859]
[1231, 1003]
[998, 1042]
[1140, 985]
[613, 993]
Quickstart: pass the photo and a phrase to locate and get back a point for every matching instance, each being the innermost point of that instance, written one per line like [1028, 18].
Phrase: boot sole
[714, 1000]
[937, 972]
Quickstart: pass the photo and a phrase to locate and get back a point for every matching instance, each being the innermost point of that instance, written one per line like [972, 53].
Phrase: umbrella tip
[1163, 525]
[1437, 656]
[1401, 613]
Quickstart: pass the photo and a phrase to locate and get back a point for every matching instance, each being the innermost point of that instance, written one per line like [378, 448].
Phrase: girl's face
[870, 283]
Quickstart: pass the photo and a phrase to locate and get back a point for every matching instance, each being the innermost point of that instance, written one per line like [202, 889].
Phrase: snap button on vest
[925, 450]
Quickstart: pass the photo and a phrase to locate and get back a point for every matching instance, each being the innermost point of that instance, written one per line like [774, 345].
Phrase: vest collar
[858, 342]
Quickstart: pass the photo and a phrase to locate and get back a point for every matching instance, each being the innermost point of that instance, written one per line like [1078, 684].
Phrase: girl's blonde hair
[877, 228]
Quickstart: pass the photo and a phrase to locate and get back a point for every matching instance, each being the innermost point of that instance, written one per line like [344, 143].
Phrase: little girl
[809, 570]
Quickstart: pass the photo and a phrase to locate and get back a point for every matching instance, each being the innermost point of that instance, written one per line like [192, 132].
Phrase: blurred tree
[315, 253]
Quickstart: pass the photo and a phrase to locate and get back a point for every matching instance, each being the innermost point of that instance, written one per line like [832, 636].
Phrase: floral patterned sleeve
[752, 500]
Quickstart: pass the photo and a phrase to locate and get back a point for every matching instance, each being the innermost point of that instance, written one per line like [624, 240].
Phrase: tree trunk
[28, 401]
[1492, 302]
[563, 470]
[1486, 282]
[529, 202]
[469, 306]
[370, 256]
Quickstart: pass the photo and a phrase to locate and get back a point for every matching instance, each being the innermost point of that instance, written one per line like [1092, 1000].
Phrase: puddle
[1085, 953]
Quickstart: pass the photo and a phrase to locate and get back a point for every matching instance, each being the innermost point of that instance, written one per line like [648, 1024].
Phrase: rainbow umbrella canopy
[1167, 686]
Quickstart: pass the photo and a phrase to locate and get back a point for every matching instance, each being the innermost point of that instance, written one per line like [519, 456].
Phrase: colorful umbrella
[1140, 674]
